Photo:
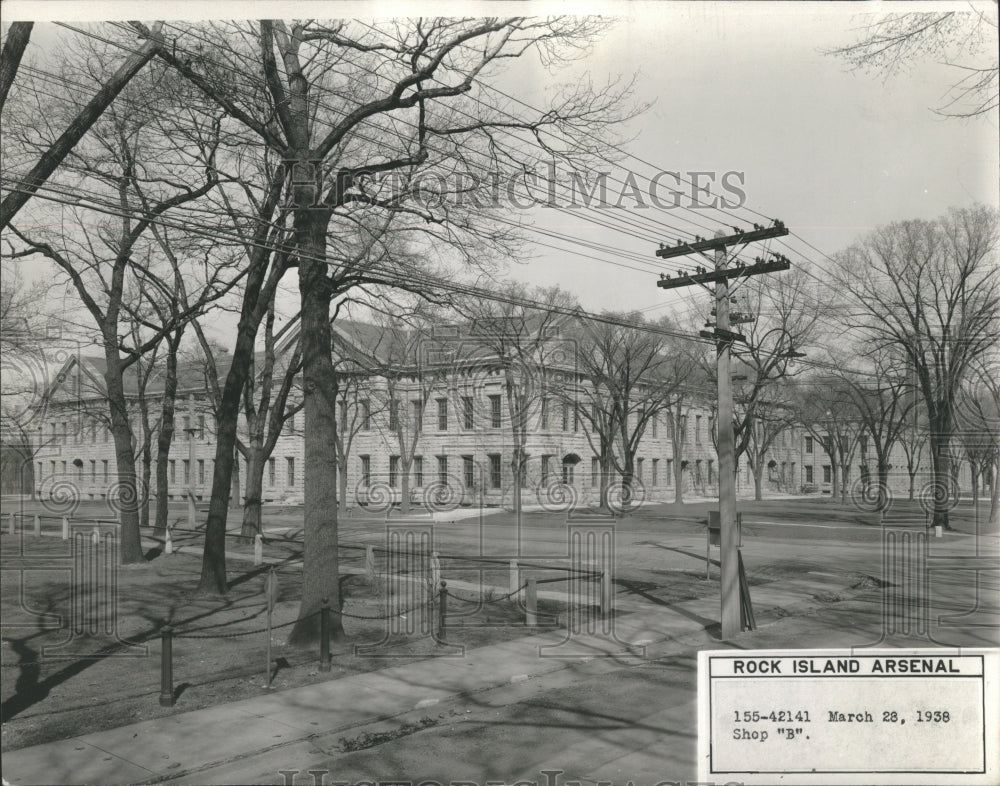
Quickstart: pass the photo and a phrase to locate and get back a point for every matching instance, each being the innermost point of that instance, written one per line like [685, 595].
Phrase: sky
[739, 88]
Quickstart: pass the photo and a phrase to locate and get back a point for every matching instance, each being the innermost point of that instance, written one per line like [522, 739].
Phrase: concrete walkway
[207, 745]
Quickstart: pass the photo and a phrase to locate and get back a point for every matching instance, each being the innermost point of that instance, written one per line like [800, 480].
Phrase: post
[435, 569]
[605, 594]
[267, 673]
[729, 576]
[166, 667]
[324, 636]
[708, 549]
[191, 510]
[258, 549]
[38, 526]
[65, 528]
[531, 604]
[513, 577]
[442, 610]
[168, 542]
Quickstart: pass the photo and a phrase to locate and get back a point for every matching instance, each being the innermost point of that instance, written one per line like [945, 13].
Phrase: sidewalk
[182, 745]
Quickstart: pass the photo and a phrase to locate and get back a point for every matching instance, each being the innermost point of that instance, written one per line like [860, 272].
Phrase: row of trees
[182, 169]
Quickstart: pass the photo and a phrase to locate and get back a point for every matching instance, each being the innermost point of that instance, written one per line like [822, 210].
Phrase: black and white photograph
[490, 393]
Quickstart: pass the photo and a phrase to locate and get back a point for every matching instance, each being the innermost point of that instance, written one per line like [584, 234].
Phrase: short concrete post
[258, 549]
[605, 594]
[442, 610]
[531, 604]
[167, 667]
[435, 569]
[324, 636]
[514, 579]
[168, 543]
[65, 528]
[38, 526]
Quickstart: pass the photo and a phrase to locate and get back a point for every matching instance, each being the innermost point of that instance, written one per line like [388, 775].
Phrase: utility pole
[720, 275]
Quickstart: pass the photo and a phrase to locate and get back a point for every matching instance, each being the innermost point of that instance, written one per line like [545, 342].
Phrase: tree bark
[254, 494]
[320, 570]
[165, 438]
[87, 116]
[128, 494]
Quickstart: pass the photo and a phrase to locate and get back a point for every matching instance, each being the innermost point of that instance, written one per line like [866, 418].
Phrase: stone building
[442, 410]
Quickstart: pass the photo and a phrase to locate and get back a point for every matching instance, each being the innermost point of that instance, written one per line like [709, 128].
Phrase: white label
[849, 717]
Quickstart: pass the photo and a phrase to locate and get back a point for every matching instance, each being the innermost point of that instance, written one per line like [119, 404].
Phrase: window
[107, 433]
[64, 468]
[468, 413]
[656, 472]
[187, 472]
[711, 466]
[595, 472]
[576, 419]
[201, 427]
[684, 427]
[393, 415]
[543, 415]
[652, 425]
[567, 474]
[418, 416]
[827, 474]
[173, 471]
[365, 414]
[93, 470]
[393, 471]
[291, 423]
[418, 471]
[809, 474]
[863, 442]
[565, 416]
[495, 470]
[494, 411]
[290, 470]
[670, 472]
[442, 414]
[105, 463]
[40, 475]
[271, 471]
[468, 472]
[187, 425]
[697, 471]
[697, 429]
[79, 472]
[54, 469]
[638, 468]
[201, 472]
[546, 468]
[809, 444]
[442, 470]
[827, 443]
[366, 471]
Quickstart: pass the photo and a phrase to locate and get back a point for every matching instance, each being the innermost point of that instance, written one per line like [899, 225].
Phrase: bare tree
[826, 409]
[106, 91]
[928, 290]
[519, 338]
[325, 98]
[629, 376]
[965, 39]
[133, 162]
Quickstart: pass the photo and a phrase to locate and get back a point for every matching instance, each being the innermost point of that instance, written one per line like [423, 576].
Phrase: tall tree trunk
[225, 475]
[131, 540]
[404, 487]
[320, 569]
[254, 494]
[165, 438]
[995, 494]
[342, 486]
[941, 465]
[147, 460]
[758, 480]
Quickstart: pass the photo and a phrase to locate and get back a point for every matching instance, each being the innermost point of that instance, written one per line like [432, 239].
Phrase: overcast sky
[741, 88]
